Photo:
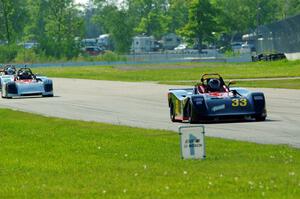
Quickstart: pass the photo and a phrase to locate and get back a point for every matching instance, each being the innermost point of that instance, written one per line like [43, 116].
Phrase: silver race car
[23, 82]
[7, 74]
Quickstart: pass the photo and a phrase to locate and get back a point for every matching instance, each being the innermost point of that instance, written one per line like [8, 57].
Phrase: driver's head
[10, 71]
[24, 74]
[214, 84]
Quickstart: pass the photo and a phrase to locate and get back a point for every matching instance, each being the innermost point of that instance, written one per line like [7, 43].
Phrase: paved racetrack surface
[145, 105]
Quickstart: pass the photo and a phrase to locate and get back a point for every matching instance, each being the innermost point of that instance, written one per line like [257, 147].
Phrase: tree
[13, 17]
[238, 16]
[287, 8]
[150, 15]
[155, 23]
[55, 24]
[117, 22]
[177, 15]
[202, 22]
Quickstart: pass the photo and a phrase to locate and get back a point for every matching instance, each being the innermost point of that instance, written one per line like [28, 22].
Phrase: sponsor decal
[198, 101]
[218, 108]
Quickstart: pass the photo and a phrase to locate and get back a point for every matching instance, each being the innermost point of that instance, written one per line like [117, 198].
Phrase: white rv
[105, 42]
[170, 41]
[141, 44]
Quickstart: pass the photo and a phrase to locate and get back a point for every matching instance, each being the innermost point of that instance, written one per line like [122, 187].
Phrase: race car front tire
[260, 118]
[49, 95]
[192, 115]
[172, 113]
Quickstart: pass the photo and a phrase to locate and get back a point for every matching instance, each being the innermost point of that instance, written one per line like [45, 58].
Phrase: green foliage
[178, 15]
[13, 18]
[111, 56]
[108, 56]
[202, 22]
[8, 53]
[54, 25]
[286, 8]
[242, 16]
[231, 53]
[154, 21]
[44, 157]
[33, 56]
[153, 24]
[118, 23]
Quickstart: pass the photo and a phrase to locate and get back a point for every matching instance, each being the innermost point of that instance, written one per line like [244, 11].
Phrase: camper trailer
[170, 41]
[105, 42]
[141, 44]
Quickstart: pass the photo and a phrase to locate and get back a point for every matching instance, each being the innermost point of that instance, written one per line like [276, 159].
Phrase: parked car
[181, 47]
[93, 50]
[236, 46]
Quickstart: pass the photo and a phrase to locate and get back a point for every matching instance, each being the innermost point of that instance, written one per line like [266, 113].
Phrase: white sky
[85, 1]
[81, 1]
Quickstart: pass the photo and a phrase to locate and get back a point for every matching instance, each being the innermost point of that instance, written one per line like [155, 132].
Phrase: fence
[280, 37]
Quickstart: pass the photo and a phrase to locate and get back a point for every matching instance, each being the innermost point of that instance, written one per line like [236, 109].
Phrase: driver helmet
[24, 74]
[214, 85]
[10, 71]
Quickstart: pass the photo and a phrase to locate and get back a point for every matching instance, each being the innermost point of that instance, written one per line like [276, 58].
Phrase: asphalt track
[145, 105]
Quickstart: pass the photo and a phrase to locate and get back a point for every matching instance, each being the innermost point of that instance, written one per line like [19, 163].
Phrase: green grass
[43, 157]
[288, 83]
[177, 72]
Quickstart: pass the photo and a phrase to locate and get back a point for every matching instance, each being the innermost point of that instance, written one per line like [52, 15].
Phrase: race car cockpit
[211, 83]
[9, 70]
[25, 73]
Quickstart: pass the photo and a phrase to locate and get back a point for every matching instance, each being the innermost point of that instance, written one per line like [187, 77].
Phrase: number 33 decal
[239, 102]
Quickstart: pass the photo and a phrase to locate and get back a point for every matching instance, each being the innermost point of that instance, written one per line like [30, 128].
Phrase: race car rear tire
[5, 96]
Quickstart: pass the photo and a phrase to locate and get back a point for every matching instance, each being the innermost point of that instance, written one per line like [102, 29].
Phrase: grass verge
[177, 72]
[287, 83]
[43, 157]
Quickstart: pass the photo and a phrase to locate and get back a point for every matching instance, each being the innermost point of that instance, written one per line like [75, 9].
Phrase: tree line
[54, 24]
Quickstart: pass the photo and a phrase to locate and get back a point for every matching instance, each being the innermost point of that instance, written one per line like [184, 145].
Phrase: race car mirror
[231, 82]
[192, 142]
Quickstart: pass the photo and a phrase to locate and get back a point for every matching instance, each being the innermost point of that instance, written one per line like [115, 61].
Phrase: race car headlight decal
[12, 88]
[258, 97]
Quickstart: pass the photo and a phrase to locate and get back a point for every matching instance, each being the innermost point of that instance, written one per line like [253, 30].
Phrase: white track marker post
[192, 142]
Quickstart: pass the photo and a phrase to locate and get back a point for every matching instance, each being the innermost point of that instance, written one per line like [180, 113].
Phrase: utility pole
[257, 17]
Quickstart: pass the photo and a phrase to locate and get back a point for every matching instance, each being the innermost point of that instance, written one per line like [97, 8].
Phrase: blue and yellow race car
[212, 99]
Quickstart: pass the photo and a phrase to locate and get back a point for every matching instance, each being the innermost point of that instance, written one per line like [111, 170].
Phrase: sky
[81, 1]
[85, 1]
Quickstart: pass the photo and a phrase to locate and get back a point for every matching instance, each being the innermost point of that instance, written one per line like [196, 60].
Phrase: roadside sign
[192, 142]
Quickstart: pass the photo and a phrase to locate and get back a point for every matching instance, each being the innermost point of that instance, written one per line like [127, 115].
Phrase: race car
[24, 83]
[7, 73]
[212, 99]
